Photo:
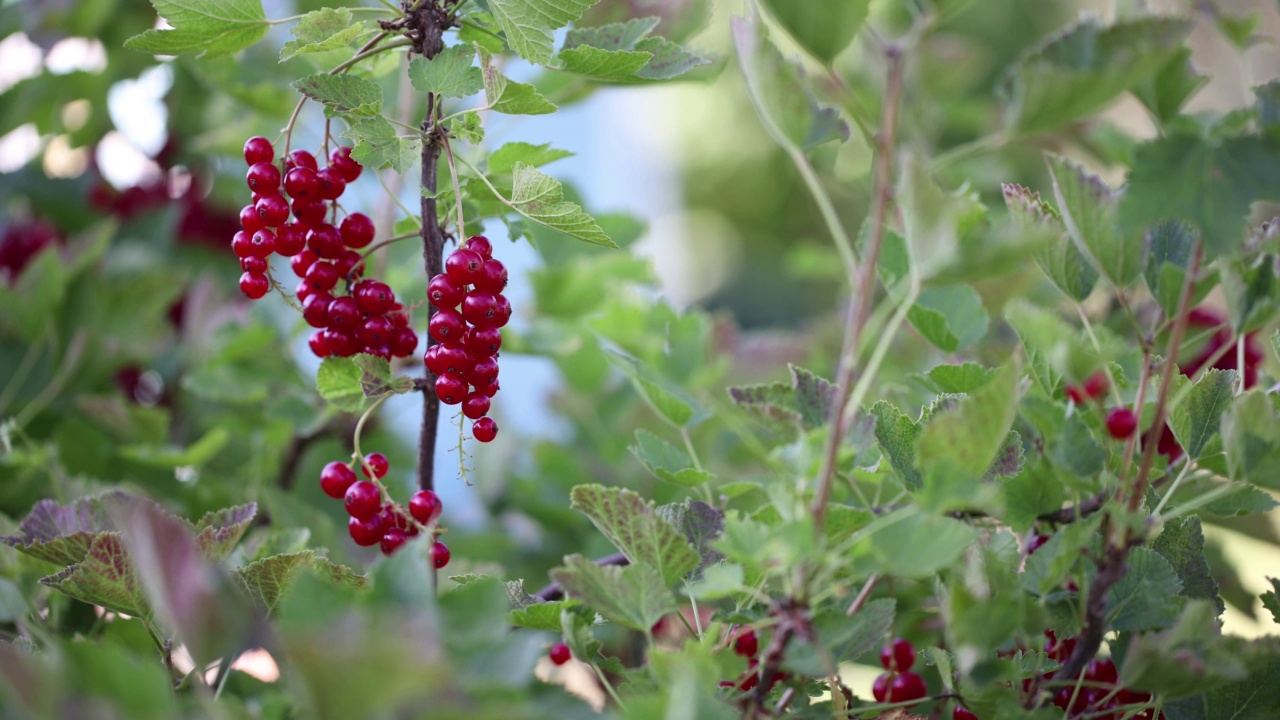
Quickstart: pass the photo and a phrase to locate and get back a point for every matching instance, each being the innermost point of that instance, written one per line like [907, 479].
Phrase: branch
[554, 592]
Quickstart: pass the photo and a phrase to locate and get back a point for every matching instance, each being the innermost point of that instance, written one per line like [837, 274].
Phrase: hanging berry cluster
[470, 309]
[899, 684]
[367, 318]
[375, 518]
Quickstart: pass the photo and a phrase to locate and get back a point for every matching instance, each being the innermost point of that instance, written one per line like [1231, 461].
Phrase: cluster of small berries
[1099, 695]
[368, 318]
[747, 644]
[21, 242]
[470, 309]
[899, 684]
[375, 520]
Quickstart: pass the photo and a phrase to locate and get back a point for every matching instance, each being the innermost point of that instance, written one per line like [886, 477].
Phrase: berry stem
[355, 440]
[457, 188]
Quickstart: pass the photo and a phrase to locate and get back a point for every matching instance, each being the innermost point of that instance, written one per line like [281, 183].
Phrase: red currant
[504, 310]
[485, 429]
[373, 297]
[1121, 423]
[362, 500]
[480, 308]
[559, 654]
[1076, 394]
[907, 686]
[344, 315]
[250, 220]
[357, 230]
[898, 655]
[455, 360]
[263, 242]
[315, 310]
[340, 160]
[375, 331]
[254, 264]
[325, 240]
[301, 159]
[291, 239]
[257, 149]
[309, 211]
[493, 277]
[446, 326]
[304, 291]
[880, 687]
[431, 358]
[484, 372]
[444, 293]
[366, 532]
[254, 285]
[336, 478]
[340, 343]
[322, 275]
[425, 506]
[378, 350]
[962, 714]
[302, 261]
[319, 347]
[403, 342]
[490, 390]
[273, 209]
[392, 540]
[463, 267]
[347, 261]
[263, 178]
[378, 463]
[241, 246]
[1096, 385]
[439, 555]
[302, 183]
[747, 643]
[1102, 671]
[476, 405]
[451, 389]
[1035, 543]
[331, 184]
[479, 245]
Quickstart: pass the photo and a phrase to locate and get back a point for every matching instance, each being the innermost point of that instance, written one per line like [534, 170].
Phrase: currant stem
[457, 188]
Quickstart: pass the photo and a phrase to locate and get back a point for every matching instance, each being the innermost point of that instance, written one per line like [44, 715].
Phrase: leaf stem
[457, 187]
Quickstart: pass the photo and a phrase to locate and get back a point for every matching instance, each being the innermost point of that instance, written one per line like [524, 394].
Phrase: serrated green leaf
[843, 637]
[897, 434]
[540, 198]
[217, 533]
[1044, 338]
[105, 577]
[211, 28]
[378, 146]
[823, 29]
[466, 127]
[1257, 697]
[614, 36]
[666, 461]
[1182, 544]
[516, 594]
[635, 528]
[338, 382]
[347, 94]
[1089, 211]
[376, 378]
[963, 378]
[1169, 248]
[1196, 415]
[540, 616]
[1208, 183]
[1056, 254]
[1165, 92]
[1031, 494]
[671, 403]
[949, 316]
[268, 580]
[1251, 438]
[504, 159]
[63, 534]
[450, 73]
[603, 65]
[918, 545]
[718, 581]
[528, 24]
[635, 596]
[669, 59]
[1271, 599]
[1148, 596]
[1252, 291]
[700, 524]
[1187, 659]
[320, 31]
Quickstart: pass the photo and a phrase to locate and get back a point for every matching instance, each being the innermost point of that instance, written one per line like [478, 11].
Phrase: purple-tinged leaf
[218, 532]
[106, 577]
[63, 534]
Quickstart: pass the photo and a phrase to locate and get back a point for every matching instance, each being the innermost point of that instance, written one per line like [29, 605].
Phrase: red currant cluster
[1099, 696]
[470, 309]
[1121, 422]
[376, 520]
[21, 242]
[899, 684]
[368, 318]
[747, 644]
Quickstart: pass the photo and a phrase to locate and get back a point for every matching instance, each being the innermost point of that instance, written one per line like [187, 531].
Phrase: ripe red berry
[250, 220]
[489, 390]
[301, 159]
[1121, 423]
[479, 245]
[347, 262]
[463, 266]
[451, 389]
[403, 342]
[273, 209]
[254, 285]
[1102, 671]
[439, 555]
[493, 277]
[1035, 543]
[559, 654]
[907, 686]
[240, 245]
[318, 346]
[302, 183]
[378, 350]
[484, 372]
[304, 291]
[331, 184]
[480, 308]
[373, 297]
[484, 429]
[392, 539]
[476, 405]
[376, 330]
[315, 310]
[263, 178]
[446, 326]
[254, 264]
[444, 293]
[342, 344]
[340, 160]
[378, 463]
[336, 478]
[962, 714]
[357, 230]
[362, 500]
[1095, 386]
[257, 149]
[366, 532]
[747, 643]
[322, 275]
[425, 506]
[324, 240]
[291, 239]
[431, 358]
[455, 360]
[880, 687]
[302, 261]
[344, 315]
[1076, 394]
[263, 243]
[504, 310]
[898, 655]
[309, 211]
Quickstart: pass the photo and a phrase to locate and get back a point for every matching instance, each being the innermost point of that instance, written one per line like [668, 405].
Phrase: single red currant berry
[444, 293]
[484, 429]
[263, 242]
[484, 372]
[898, 655]
[325, 240]
[908, 686]
[344, 315]
[349, 264]
[318, 346]
[455, 360]
[357, 230]
[340, 160]
[425, 506]
[254, 285]
[504, 310]
[254, 264]
[431, 358]
[880, 687]
[493, 277]
[315, 310]
[479, 245]
[463, 266]
[446, 326]
[340, 343]
[484, 341]
[392, 540]
[379, 350]
[1035, 542]
[336, 478]
[322, 275]
[362, 500]
[451, 389]
[1102, 671]
[304, 291]
[301, 159]
[747, 644]
[1121, 423]
[302, 183]
[378, 463]
[257, 149]
[301, 262]
[376, 330]
[1076, 394]
[309, 211]
[490, 390]
[250, 220]
[291, 239]
[439, 555]
[962, 714]
[479, 308]
[366, 532]
[240, 245]
[331, 184]
[273, 209]
[403, 342]
[476, 405]
[1096, 385]
[373, 297]
[559, 654]
[263, 178]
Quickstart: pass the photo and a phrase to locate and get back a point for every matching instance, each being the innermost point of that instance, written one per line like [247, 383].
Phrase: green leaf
[1089, 210]
[1252, 292]
[1148, 596]
[540, 198]
[669, 59]
[918, 545]
[1056, 254]
[934, 221]
[376, 378]
[806, 402]
[504, 159]
[541, 616]
[268, 580]
[1187, 659]
[666, 461]
[949, 316]
[700, 524]
[348, 94]
[466, 127]
[823, 29]
[604, 65]
[1044, 338]
[1197, 415]
[1169, 248]
[339, 382]
[62, 534]
[1271, 599]
[378, 146]
[1084, 68]
[1251, 437]
[963, 378]
[450, 73]
[1257, 697]
[105, 577]
[1181, 542]
[321, 31]
[1168, 90]
[217, 533]
[209, 27]
[196, 454]
[634, 597]
[897, 434]
[1031, 494]
[670, 402]
[1207, 182]
[528, 24]
[635, 528]
[1268, 106]
[35, 296]
[614, 36]
[844, 638]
